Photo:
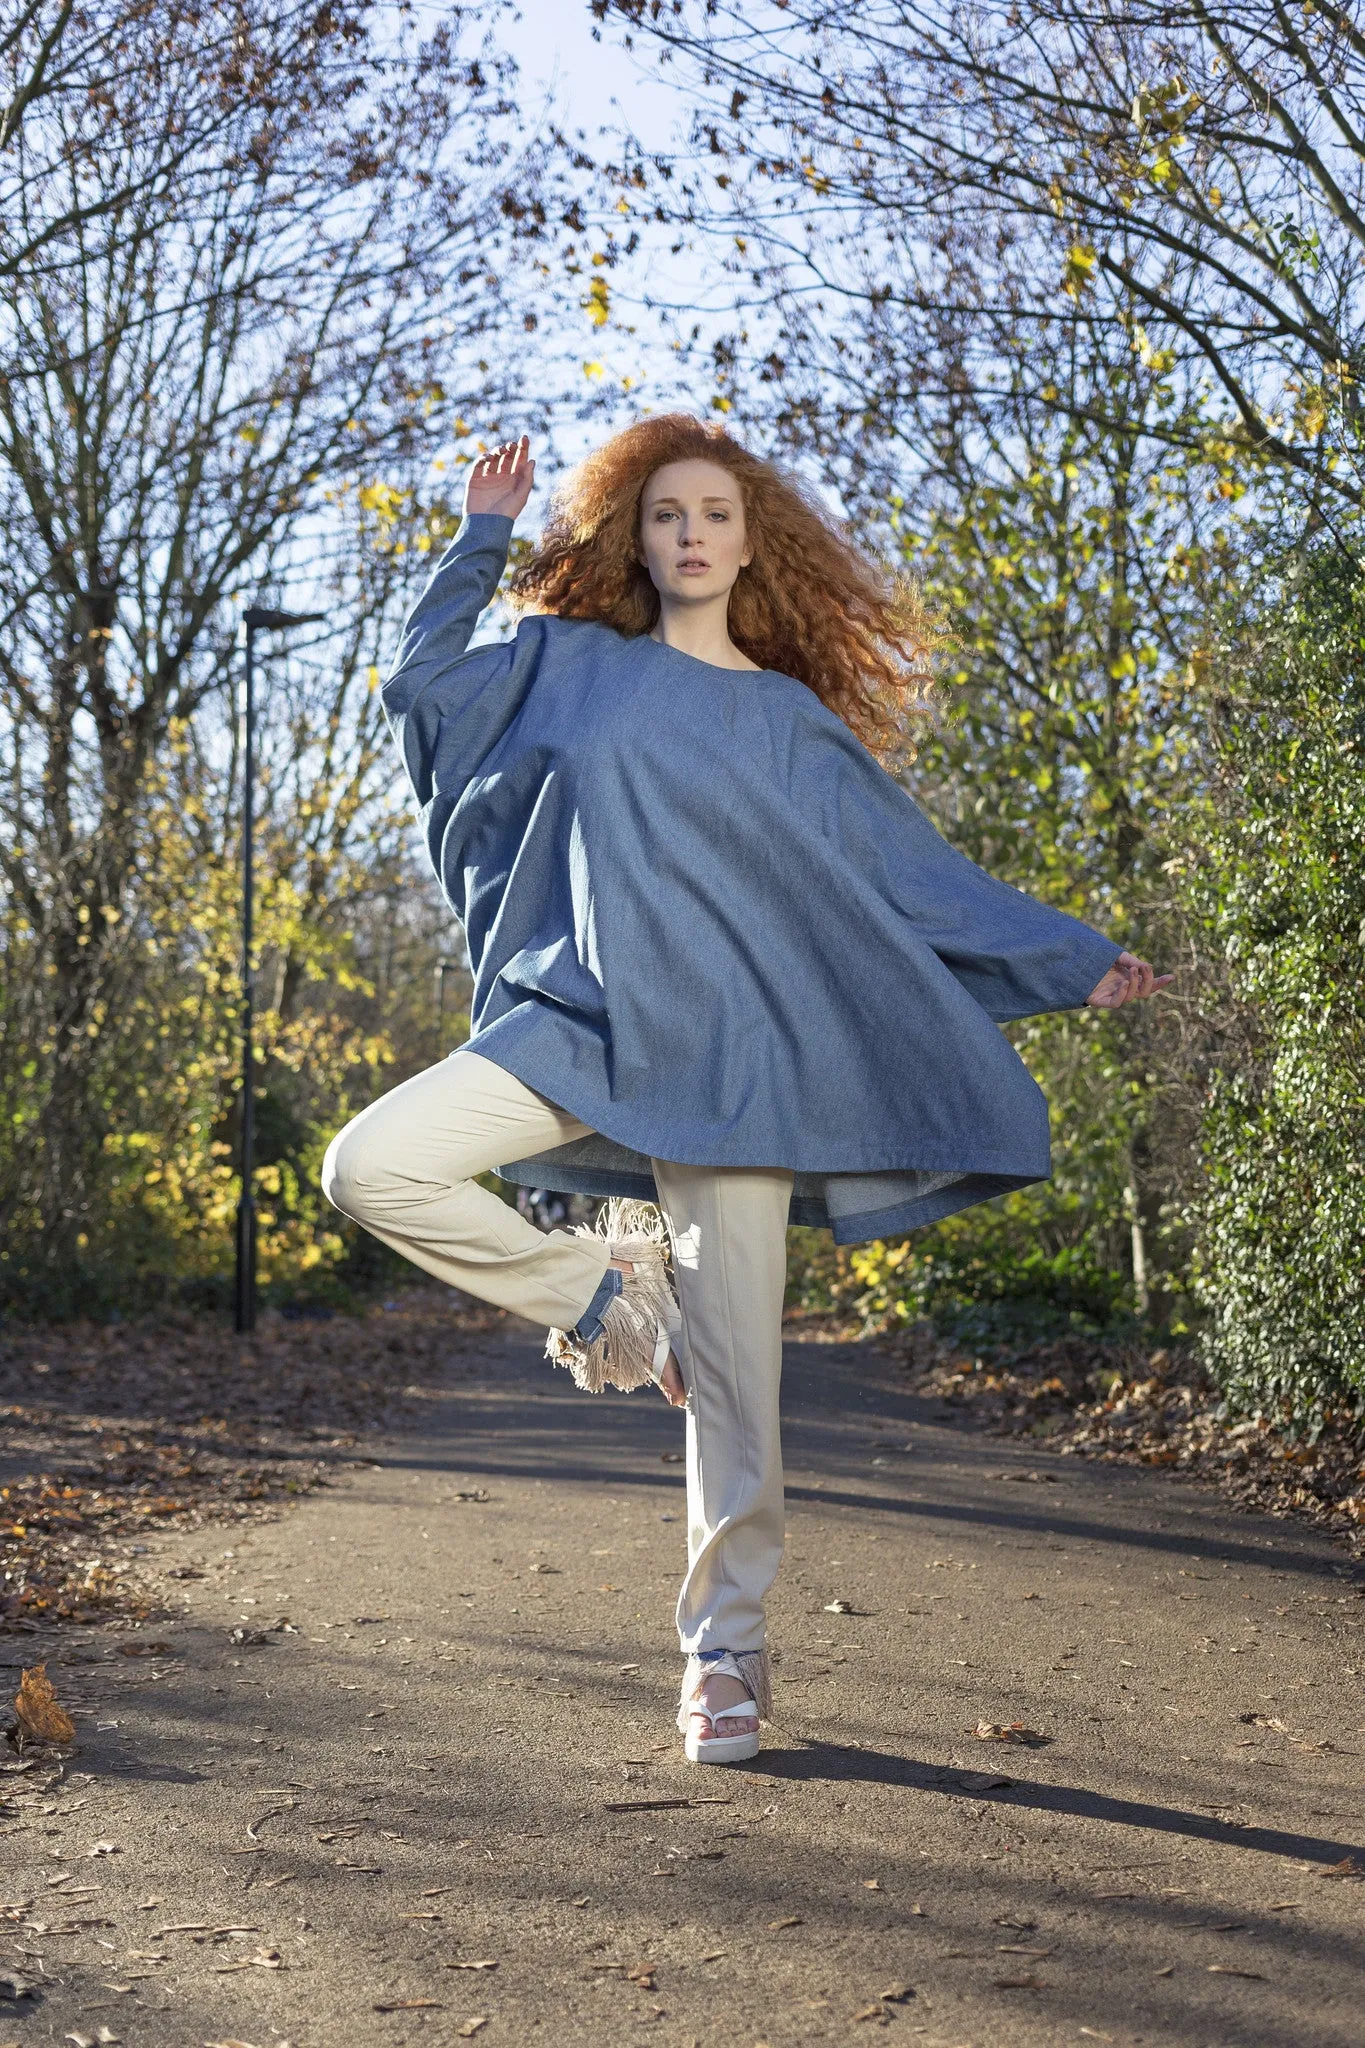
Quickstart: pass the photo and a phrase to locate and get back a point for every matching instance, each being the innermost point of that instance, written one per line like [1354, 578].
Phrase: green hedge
[1279, 1226]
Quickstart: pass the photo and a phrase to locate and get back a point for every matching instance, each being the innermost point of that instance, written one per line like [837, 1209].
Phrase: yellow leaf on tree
[597, 303]
[1078, 268]
[381, 498]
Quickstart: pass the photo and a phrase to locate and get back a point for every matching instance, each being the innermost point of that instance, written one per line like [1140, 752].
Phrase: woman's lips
[693, 568]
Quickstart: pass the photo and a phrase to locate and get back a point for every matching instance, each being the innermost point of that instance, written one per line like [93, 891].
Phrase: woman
[722, 963]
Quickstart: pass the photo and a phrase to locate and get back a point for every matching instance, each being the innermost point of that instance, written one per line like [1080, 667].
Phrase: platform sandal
[717, 1748]
[623, 1339]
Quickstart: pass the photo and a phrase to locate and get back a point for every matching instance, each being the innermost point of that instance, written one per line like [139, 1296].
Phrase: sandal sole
[722, 1749]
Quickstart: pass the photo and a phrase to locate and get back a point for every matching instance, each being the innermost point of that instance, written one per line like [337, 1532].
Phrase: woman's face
[692, 534]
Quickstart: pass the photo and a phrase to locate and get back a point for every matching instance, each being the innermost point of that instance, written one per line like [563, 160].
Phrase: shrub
[1279, 1223]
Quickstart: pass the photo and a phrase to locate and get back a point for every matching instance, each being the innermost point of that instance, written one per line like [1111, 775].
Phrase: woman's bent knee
[351, 1172]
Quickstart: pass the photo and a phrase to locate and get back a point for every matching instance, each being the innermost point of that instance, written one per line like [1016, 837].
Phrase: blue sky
[552, 41]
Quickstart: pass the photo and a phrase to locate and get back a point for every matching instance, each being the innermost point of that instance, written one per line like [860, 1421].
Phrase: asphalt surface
[446, 1801]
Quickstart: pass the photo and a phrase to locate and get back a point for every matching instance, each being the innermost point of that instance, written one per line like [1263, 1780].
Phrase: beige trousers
[404, 1169]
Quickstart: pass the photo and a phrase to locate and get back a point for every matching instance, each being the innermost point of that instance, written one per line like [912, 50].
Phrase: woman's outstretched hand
[1128, 981]
[501, 481]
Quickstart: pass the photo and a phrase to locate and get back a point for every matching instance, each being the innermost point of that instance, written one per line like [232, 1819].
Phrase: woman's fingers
[500, 479]
[1128, 980]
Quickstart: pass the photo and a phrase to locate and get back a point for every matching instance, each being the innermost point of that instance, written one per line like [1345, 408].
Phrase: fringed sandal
[625, 1340]
[751, 1668]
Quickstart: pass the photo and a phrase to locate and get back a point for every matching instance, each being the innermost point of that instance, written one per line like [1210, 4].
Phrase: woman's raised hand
[501, 480]
[1128, 981]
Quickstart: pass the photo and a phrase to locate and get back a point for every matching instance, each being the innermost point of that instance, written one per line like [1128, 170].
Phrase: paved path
[465, 1757]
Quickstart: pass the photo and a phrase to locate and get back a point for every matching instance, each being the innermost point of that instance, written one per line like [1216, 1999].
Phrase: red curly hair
[809, 605]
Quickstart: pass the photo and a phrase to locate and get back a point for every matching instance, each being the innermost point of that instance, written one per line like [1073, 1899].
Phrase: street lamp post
[258, 618]
[443, 968]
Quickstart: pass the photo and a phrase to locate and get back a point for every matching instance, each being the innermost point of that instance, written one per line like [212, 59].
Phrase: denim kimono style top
[703, 919]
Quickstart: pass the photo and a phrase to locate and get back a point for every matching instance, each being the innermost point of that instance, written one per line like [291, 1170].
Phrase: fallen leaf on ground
[897, 1994]
[792, 1920]
[103, 1849]
[982, 1781]
[471, 1493]
[872, 1884]
[671, 1457]
[872, 2012]
[42, 1717]
[1019, 1983]
[838, 1607]
[409, 2005]
[472, 2026]
[1348, 1867]
[1010, 1731]
[1227, 1970]
[13, 1985]
[488, 1965]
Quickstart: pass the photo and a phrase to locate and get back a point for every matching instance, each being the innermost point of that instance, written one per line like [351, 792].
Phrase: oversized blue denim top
[701, 917]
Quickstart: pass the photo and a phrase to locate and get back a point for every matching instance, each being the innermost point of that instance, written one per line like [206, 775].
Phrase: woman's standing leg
[728, 1231]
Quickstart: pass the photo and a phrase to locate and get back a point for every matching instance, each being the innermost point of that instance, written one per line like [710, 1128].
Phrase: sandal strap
[742, 1710]
[698, 1670]
[709, 1665]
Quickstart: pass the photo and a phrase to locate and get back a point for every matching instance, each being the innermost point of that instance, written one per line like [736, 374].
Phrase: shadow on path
[831, 1762]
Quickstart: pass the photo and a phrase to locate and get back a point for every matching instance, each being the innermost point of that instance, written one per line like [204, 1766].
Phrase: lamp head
[258, 615]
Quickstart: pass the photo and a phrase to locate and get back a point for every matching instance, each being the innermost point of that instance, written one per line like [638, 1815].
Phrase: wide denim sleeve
[437, 676]
[1015, 956]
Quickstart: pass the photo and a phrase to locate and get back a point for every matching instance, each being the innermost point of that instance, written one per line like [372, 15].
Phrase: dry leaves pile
[178, 1422]
[1125, 1404]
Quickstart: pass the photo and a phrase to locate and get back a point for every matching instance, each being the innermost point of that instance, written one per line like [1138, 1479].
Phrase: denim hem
[591, 1324]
